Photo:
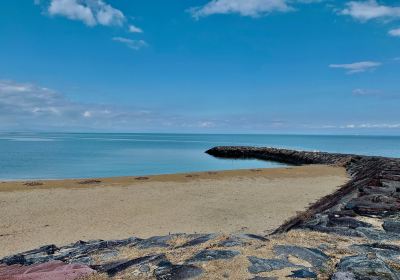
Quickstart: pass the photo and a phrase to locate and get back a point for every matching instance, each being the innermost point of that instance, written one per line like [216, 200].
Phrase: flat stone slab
[365, 267]
[264, 265]
[198, 240]
[177, 272]
[392, 226]
[211, 255]
[303, 273]
[315, 257]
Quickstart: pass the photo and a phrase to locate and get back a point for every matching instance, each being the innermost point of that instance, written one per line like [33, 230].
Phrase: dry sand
[65, 211]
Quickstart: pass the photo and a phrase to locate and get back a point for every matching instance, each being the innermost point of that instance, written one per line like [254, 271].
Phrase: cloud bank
[252, 8]
[369, 10]
[90, 12]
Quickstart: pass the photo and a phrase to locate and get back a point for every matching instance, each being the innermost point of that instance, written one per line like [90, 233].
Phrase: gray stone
[155, 241]
[252, 236]
[113, 268]
[144, 268]
[177, 272]
[261, 265]
[198, 240]
[211, 255]
[231, 242]
[367, 267]
[343, 276]
[302, 273]
[314, 256]
[384, 251]
[378, 235]
[392, 226]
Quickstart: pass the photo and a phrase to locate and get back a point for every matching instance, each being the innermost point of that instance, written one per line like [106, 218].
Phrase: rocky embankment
[353, 233]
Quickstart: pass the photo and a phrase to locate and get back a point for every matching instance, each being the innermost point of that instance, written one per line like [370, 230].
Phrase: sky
[200, 66]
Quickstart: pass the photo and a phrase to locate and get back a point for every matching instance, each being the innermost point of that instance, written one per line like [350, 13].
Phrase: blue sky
[237, 66]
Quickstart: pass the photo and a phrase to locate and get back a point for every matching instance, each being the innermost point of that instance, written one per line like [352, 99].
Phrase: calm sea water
[72, 155]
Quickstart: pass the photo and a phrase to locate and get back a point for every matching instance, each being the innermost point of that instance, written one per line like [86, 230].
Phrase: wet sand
[64, 211]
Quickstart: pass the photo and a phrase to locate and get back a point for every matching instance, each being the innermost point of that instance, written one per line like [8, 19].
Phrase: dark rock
[391, 183]
[115, 267]
[303, 273]
[314, 256]
[231, 241]
[343, 276]
[90, 181]
[366, 267]
[392, 226]
[261, 265]
[177, 272]
[377, 235]
[346, 222]
[156, 241]
[144, 268]
[337, 230]
[374, 205]
[211, 255]
[384, 251]
[198, 240]
[253, 236]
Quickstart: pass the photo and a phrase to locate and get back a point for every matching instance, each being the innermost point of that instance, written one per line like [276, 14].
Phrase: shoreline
[233, 201]
[352, 232]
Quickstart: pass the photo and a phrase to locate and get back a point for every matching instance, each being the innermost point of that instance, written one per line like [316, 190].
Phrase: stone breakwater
[353, 233]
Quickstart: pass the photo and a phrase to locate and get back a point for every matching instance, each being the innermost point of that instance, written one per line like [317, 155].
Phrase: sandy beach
[65, 211]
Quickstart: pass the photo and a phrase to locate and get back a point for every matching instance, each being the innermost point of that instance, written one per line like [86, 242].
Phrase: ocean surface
[88, 155]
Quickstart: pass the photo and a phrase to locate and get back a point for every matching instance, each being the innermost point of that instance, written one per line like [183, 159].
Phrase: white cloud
[357, 67]
[25, 106]
[372, 125]
[369, 10]
[395, 32]
[135, 29]
[87, 114]
[252, 8]
[91, 12]
[366, 92]
[132, 44]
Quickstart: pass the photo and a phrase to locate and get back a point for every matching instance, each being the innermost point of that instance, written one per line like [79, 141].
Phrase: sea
[89, 155]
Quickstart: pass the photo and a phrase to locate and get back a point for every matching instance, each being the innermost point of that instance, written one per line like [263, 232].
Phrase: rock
[378, 205]
[384, 251]
[252, 236]
[113, 268]
[144, 268]
[211, 255]
[343, 276]
[391, 183]
[377, 235]
[55, 270]
[177, 272]
[346, 222]
[392, 226]
[315, 257]
[198, 240]
[156, 241]
[366, 267]
[262, 265]
[302, 273]
[231, 241]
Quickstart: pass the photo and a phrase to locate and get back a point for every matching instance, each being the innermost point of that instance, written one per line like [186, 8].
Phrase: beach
[238, 201]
